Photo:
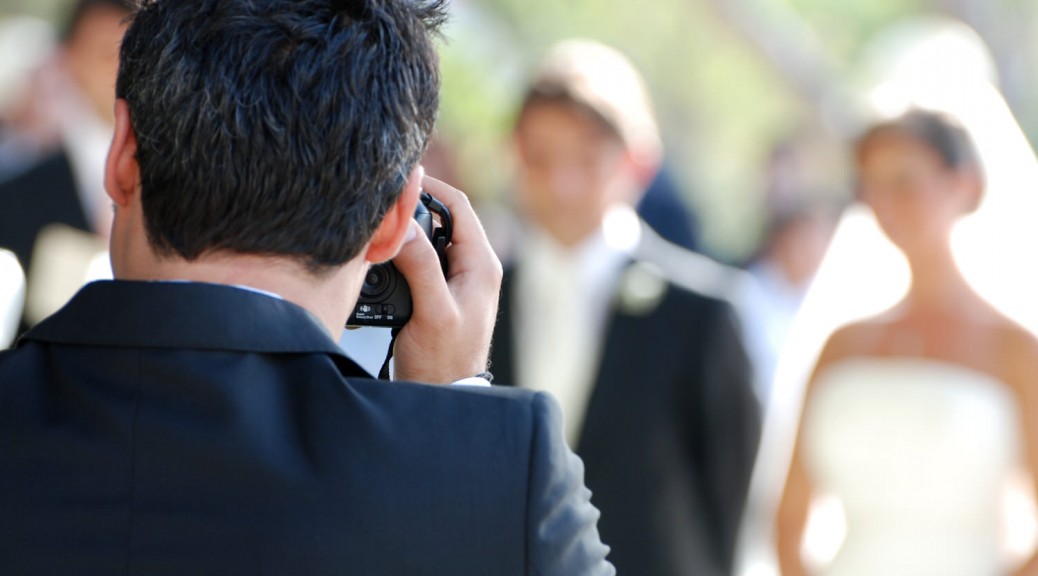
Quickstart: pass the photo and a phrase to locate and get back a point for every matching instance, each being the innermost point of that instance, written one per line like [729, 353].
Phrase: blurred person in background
[633, 335]
[792, 250]
[917, 419]
[57, 210]
[28, 122]
[664, 209]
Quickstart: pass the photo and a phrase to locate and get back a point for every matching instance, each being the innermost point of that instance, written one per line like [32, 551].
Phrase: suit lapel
[632, 313]
[627, 355]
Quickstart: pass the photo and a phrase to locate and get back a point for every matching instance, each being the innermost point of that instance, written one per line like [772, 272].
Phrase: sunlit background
[730, 79]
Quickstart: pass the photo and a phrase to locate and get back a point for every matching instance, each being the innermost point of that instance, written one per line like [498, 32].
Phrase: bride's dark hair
[940, 132]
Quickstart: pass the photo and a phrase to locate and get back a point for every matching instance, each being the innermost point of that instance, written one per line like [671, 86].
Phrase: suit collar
[650, 258]
[503, 352]
[184, 315]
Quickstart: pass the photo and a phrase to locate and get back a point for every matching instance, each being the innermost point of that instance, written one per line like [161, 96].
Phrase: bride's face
[915, 196]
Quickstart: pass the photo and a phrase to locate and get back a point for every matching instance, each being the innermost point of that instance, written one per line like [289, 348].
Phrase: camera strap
[383, 374]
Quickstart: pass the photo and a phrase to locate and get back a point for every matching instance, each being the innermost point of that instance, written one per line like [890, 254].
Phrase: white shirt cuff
[472, 381]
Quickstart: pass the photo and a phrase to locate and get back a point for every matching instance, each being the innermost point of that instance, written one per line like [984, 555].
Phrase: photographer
[195, 416]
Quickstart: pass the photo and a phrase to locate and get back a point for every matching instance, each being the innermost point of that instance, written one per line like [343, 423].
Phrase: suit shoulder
[456, 392]
[496, 405]
[692, 272]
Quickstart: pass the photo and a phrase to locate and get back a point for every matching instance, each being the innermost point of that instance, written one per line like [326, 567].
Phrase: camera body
[385, 297]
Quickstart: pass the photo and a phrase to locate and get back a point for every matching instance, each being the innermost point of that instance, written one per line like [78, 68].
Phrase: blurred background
[756, 98]
[748, 92]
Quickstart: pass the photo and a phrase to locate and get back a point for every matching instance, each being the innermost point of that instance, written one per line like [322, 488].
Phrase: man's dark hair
[277, 127]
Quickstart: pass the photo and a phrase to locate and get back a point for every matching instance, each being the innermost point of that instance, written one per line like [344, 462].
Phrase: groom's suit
[162, 428]
[672, 424]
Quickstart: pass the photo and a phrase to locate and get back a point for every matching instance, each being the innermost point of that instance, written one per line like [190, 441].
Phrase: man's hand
[452, 322]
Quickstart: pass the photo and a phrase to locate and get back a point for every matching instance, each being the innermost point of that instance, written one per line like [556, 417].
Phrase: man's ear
[634, 177]
[645, 166]
[392, 231]
[122, 173]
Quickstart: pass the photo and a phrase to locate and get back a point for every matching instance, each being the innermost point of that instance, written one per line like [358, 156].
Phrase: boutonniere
[642, 287]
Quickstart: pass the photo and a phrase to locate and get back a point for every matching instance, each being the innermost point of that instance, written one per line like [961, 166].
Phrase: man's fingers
[462, 214]
[470, 250]
[449, 333]
[418, 262]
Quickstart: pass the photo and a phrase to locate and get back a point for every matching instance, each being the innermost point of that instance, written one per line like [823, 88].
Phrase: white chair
[12, 296]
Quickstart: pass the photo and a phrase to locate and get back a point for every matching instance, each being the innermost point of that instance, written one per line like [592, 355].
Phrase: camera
[385, 298]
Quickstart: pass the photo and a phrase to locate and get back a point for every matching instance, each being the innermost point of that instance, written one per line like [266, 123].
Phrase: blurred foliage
[845, 26]
[53, 10]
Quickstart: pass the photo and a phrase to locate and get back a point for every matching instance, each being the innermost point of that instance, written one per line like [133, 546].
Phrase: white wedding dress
[935, 64]
[918, 452]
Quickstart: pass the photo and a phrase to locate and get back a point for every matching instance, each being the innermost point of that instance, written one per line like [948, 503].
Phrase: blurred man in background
[53, 213]
[800, 211]
[28, 126]
[633, 335]
[789, 256]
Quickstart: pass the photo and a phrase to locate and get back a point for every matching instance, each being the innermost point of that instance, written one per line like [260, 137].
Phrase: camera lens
[377, 282]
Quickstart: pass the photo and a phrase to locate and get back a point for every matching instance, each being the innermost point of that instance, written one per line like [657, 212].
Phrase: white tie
[560, 353]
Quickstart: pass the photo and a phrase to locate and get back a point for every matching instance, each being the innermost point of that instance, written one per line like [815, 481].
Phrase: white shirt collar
[562, 304]
[597, 258]
[238, 286]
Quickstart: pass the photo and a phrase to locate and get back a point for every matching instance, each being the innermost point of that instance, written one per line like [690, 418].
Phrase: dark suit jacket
[672, 425]
[44, 194]
[156, 428]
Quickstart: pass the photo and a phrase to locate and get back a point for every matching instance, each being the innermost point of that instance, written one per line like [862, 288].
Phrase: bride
[915, 419]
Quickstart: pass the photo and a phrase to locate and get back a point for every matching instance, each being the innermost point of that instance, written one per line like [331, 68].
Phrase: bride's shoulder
[855, 339]
[1019, 351]
[1019, 370]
